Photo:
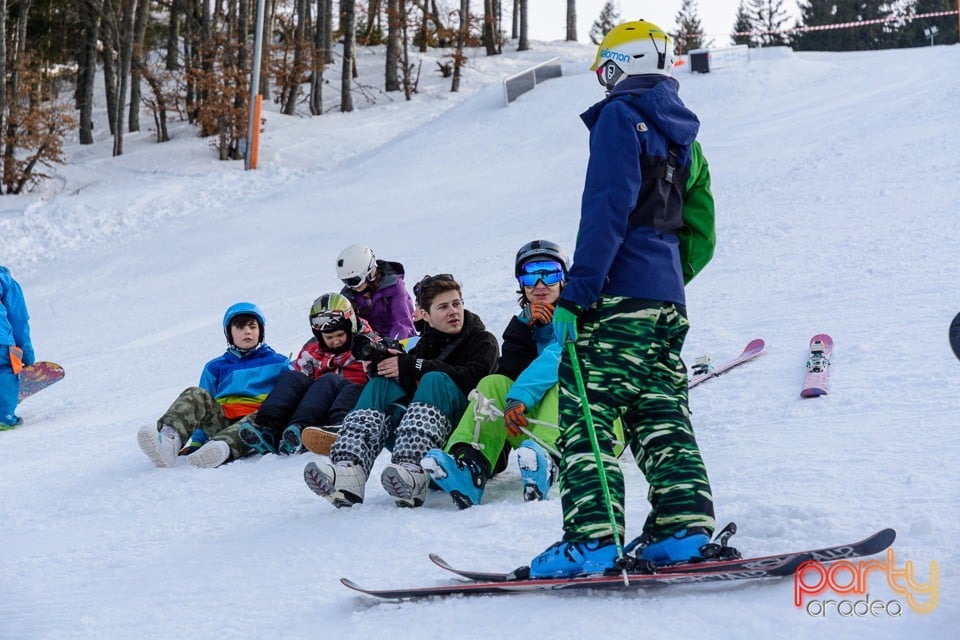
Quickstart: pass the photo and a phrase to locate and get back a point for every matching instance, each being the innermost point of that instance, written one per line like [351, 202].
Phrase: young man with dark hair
[411, 404]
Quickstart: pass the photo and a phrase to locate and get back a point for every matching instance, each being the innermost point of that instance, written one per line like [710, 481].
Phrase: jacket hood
[657, 98]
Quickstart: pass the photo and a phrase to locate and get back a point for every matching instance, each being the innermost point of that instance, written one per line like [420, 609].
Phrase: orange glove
[513, 418]
[539, 313]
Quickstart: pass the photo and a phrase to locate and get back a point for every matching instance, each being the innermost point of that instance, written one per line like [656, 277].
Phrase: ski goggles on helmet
[550, 272]
[328, 321]
[353, 282]
[608, 74]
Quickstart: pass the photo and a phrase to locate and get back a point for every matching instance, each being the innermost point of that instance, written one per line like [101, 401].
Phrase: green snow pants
[629, 354]
[490, 436]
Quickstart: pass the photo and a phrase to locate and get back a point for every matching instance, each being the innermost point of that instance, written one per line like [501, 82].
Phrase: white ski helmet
[633, 49]
[355, 264]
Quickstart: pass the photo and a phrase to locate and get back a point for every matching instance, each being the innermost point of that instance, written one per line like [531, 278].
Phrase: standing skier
[623, 306]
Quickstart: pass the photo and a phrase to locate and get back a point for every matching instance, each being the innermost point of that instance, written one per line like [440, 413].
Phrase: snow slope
[836, 180]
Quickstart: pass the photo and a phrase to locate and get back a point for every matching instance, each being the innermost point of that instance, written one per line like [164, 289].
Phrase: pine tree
[825, 12]
[689, 30]
[769, 18]
[609, 18]
[743, 26]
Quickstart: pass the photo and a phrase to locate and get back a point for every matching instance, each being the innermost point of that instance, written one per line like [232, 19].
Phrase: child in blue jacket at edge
[16, 349]
[232, 388]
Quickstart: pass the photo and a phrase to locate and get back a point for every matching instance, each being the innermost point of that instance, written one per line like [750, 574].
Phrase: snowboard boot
[537, 470]
[683, 546]
[259, 440]
[340, 484]
[211, 455]
[406, 482]
[319, 439]
[461, 477]
[161, 447]
[290, 442]
[568, 559]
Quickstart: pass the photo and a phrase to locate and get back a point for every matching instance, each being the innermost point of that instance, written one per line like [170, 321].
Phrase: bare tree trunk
[458, 57]
[136, 62]
[123, 72]
[515, 22]
[524, 43]
[15, 53]
[86, 75]
[373, 23]
[319, 59]
[489, 32]
[348, 15]
[571, 20]
[394, 24]
[292, 90]
[173, 37]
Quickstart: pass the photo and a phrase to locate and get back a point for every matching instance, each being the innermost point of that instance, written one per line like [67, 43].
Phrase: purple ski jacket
[385, 304]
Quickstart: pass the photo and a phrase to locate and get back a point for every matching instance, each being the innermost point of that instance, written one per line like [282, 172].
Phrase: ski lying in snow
[610, 582]
[774, 564]
[955, 336]
[703, 369]
[818, 364]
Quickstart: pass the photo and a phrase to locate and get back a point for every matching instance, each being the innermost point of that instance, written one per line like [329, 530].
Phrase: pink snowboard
[818, 365]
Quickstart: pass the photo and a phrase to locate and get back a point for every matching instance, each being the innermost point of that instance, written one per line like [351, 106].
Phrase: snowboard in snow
[38, 376]
[955, 336]
[703, 371]
[818, 366]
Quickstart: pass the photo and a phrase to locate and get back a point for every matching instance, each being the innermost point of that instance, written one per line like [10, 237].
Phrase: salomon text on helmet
[633, 49]
[355, 264]
[243, 309]
[332, 312]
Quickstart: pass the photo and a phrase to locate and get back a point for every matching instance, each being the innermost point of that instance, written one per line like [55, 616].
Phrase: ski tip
[813, 392]
[347, 582]
[887, 536]
[440, 562]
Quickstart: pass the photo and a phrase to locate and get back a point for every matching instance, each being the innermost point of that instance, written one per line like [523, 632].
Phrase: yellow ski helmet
[633, 49]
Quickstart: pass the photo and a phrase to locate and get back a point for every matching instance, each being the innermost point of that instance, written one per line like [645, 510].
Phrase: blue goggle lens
[549, 272]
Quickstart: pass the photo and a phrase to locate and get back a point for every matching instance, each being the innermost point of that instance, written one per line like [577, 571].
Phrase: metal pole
[255, 84]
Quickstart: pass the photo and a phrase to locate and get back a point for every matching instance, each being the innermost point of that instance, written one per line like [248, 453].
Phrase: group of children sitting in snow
[426, 381]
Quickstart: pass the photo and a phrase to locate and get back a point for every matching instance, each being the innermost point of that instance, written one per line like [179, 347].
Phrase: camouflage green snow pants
[195, 408]
[629, 354]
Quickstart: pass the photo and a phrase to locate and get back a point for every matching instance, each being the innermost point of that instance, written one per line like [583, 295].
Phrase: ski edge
[874, 543]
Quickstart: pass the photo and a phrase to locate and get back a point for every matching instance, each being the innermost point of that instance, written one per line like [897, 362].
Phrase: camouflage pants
[629, 353]
[195, 409]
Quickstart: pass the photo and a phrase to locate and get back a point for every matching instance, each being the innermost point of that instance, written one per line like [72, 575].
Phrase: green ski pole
[595, 445]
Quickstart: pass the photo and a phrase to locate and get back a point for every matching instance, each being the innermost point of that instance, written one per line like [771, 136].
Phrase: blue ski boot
[683, 546]
[259, 441]
[537, 470]
[568, 559]
[461, 477]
